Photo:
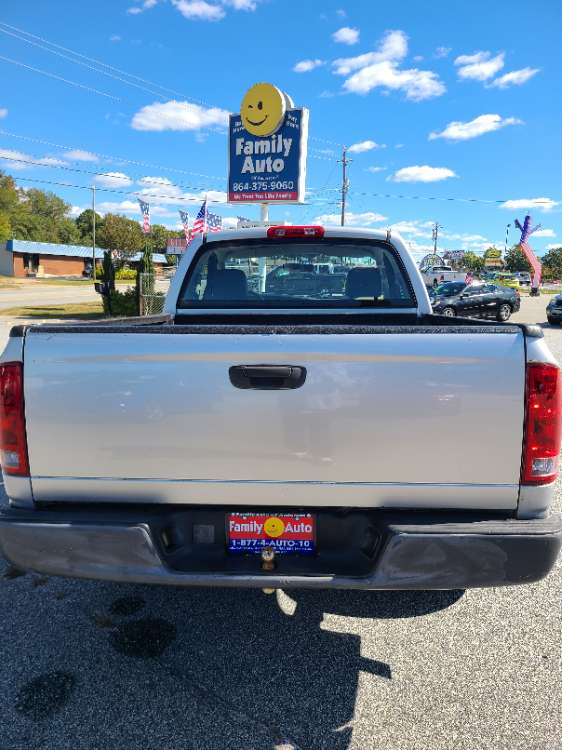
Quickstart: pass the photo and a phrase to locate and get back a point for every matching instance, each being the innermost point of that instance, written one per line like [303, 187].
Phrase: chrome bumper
[417, 551]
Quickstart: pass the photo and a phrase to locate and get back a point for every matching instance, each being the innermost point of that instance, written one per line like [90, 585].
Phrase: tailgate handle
[267, 377]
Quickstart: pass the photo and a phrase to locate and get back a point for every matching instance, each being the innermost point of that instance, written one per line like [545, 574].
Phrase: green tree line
[45, 217]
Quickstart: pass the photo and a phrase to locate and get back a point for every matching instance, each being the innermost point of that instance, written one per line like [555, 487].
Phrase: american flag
[214, 222]
[184, 216]
[200, 223]
[145, 210]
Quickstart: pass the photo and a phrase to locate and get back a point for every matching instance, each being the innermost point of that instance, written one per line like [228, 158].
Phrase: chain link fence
[153, 288]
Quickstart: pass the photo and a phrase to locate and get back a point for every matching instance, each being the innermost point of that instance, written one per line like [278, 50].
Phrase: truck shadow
[281, 672]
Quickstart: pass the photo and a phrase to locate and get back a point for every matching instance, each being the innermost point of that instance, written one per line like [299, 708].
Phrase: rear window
[296, 274]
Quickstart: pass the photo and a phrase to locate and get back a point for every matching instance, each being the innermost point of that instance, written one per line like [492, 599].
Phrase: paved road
[40, 294]
[90, 665]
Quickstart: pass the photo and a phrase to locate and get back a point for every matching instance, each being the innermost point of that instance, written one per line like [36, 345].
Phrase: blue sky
[435, 99]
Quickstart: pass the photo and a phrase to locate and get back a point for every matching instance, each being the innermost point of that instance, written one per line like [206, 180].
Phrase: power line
[59, 78]
[110, 175]
[446, 198]
[79, 62]
[105, 65]
[134, 193]
[108, 157]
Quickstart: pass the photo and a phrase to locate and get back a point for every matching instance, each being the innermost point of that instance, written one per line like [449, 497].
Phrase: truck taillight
[288, 232]
[541, 442]
[13, 441]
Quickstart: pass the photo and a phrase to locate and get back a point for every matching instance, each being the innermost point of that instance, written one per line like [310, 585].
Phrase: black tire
[449, 312]
[504, 312]
[552, 322]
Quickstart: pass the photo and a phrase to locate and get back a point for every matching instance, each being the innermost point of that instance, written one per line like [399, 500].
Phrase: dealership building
[21, 258]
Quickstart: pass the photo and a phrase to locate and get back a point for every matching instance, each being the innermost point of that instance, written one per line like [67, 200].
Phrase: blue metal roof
[52, 248]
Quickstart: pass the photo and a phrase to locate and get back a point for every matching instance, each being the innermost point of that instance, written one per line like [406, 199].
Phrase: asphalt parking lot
[89, 665]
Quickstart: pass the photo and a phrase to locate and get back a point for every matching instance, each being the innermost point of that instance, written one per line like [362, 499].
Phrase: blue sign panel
[268, 169]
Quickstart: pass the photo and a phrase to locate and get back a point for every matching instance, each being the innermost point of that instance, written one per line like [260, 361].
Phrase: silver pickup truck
[324, 430]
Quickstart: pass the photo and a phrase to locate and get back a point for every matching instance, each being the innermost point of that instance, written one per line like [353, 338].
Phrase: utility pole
[344, 183]
[94, 233]
[435, 234]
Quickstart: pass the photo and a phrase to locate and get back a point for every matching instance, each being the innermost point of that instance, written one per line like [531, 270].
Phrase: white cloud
[174, 115]
[110, 207]
[214, 196]
[463, 131]
[393, 46]
[442, 52]
[48, 161]
[230, 222]
[305, 66]
[113, 179]
[75, 211]
[80, 155]
[422, 174]
[544, 233]
[115, 38]
[341, 13]
[418, 58]
[417, 85]
[480, 66]
[514, 78]
[346, 35]
[3, 112]
[199, 10]
[541, 204]
[18, 160]
[416, 228]
[351, 219]
[135, 10]
[6, 153]
[359, 148]
[374, 170]
[554, 246]
[242, 4]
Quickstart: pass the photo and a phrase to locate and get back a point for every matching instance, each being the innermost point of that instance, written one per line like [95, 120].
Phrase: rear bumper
[416, 550]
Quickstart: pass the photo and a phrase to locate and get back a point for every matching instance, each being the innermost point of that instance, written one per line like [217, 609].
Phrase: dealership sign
[267, 148]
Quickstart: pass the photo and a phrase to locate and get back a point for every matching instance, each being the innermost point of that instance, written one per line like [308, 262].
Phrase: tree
[552, 264]
[67, 232]
[85, 225]
[5, 227]
[515, 260]
[158, 238]
[472, 262]
[122, 235]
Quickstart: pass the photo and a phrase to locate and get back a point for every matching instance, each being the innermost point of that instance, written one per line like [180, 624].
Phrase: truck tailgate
[419, 420]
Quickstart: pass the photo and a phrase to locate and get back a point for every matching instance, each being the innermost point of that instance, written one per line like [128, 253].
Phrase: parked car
[435, 275]
[507, 280]
[524, 277]
[273, 440]
[554, 310]
[476, 300]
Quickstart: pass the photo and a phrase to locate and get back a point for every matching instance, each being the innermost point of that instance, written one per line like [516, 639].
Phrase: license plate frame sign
[285, 533]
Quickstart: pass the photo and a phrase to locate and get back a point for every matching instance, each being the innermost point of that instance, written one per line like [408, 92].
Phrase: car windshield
[449, 289]
[280, 273]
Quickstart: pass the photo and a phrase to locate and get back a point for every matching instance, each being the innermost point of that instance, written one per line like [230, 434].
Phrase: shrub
[126, 274]
[123, 304]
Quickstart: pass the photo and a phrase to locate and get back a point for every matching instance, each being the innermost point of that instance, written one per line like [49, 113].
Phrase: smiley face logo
[274, 527]
[263, 109]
